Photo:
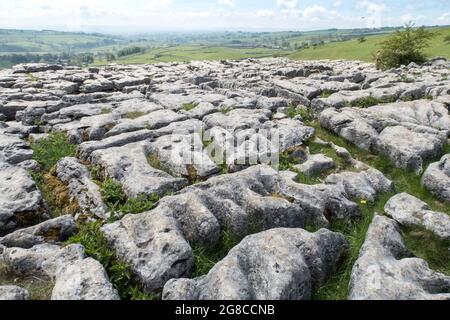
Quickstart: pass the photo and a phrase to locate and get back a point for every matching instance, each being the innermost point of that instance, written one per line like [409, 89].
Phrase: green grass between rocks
[120, 205]
[48, 151]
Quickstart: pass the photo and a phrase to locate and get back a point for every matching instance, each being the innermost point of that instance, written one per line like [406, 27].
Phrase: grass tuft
[189, 106]
[48, 151]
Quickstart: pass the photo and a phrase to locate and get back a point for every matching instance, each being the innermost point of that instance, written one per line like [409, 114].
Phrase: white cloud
[228, 3]
[445, 17]
[337, 3]
[265, 13]
[408, 17]
[374, 12]
[287, 4]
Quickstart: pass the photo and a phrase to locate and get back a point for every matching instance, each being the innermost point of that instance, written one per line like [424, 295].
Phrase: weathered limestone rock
[183, 156]
[20, 202]
[35, 67]
[13, 293]
[83, 280]
[52, 231]
[152, 121]
[321, 203]
[13, 149]
[408, 132]
[279, 264]
[315, 164]
[437, 178]
[99, 85]
[365, 185]
[129, 165]
[153, 246]
[237, 119]
[75, 277]
[408, 149]
[383, 270]
[82, 189]
[410, 211]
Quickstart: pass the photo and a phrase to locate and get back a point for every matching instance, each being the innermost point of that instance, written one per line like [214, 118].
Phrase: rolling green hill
[354, 50]
[196, 52]
[47, 41]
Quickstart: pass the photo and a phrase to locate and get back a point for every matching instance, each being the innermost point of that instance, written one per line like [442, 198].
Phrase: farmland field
[354, 50]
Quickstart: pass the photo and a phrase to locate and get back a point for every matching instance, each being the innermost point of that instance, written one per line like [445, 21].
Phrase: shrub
[447, 39]
[362, 40]
[404, 47]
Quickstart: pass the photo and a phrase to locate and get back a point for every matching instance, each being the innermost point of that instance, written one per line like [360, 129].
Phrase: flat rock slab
[410, 211]
[279, 264]
[130, 166]
[51, 231]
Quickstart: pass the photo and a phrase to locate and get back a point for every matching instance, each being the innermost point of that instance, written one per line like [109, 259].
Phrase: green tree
[404, 47]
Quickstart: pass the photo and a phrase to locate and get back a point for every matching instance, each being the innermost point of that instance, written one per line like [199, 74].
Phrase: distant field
[26, 41]
[192, 53]
[353, 50]
[22, 46]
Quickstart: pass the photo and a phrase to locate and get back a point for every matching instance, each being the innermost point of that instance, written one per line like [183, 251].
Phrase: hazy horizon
[152, 16]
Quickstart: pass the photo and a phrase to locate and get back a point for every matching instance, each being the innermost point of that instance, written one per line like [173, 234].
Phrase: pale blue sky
[184, 15]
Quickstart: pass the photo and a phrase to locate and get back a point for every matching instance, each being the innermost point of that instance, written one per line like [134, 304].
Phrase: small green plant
[404, 47]
[118, 202]
[293, 111]
[113, 194]
[189, 106]
[140, 204]
[362, 39]
[326, 94]
[120, 274]
[32, 77]
[106, 111]
[133, 115]
[225, 109]
[48, 151]
[370, 101]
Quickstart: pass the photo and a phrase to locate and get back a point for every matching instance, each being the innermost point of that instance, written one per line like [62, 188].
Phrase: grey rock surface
[410, 211]
[51, 231]
[279, 264]
[385, 269]
[13, 293]
[437, 178]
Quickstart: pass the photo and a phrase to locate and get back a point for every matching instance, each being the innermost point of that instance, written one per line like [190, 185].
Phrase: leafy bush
[404, 47]
[362, 39]
[447, 39]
